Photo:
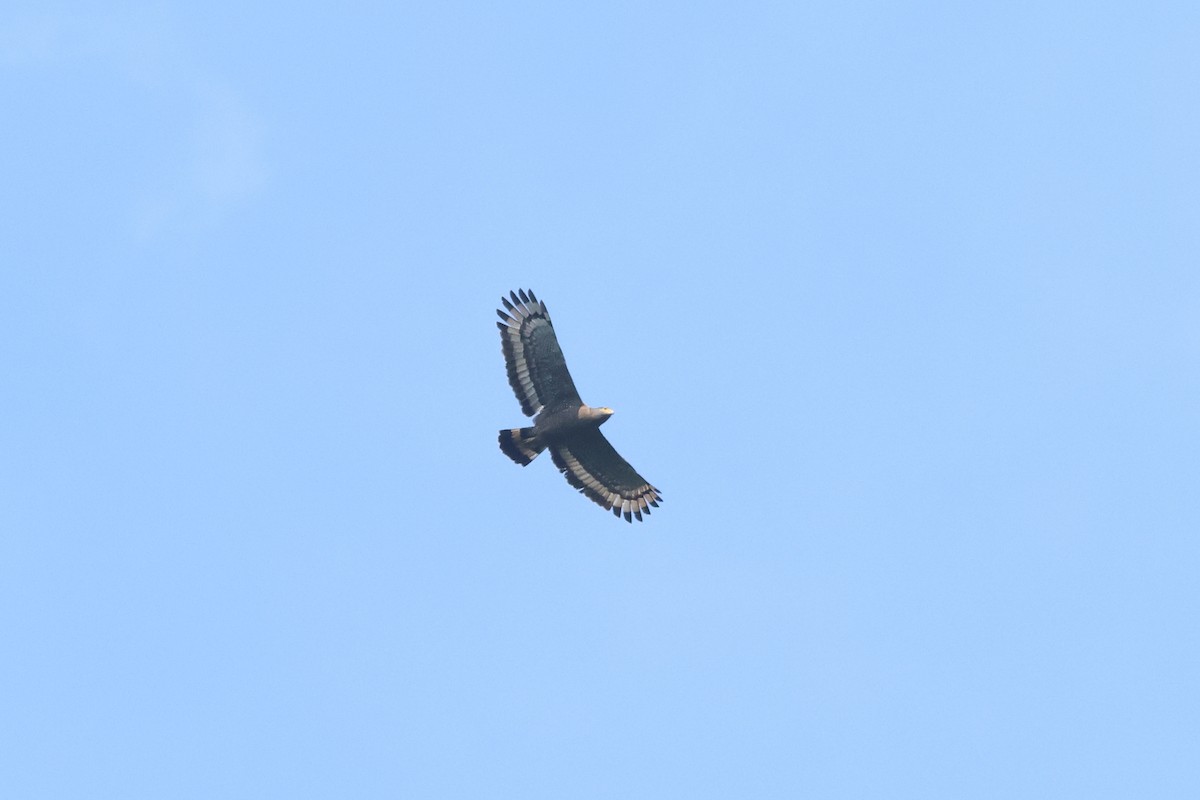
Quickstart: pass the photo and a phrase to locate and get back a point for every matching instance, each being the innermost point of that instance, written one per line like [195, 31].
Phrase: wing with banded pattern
[594, 467]
[537, 370]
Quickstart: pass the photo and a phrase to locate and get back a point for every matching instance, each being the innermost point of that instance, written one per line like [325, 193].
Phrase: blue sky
[897, 303]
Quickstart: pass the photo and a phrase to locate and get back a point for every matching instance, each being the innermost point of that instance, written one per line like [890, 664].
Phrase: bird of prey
[562, 423]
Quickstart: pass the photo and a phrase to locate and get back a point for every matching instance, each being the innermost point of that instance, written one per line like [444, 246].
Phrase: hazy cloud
[218, 162]
[220, 166]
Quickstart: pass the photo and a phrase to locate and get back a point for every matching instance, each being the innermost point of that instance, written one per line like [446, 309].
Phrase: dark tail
[521, 445]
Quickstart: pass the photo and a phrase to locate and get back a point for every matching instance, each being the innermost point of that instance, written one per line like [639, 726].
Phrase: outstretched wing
[592, 466]
[536, 367]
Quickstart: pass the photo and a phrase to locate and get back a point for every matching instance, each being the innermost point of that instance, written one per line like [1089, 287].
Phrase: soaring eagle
[562, 421]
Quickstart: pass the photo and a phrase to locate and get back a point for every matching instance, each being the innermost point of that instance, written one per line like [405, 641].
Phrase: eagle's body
[552, 425]
[563, 423]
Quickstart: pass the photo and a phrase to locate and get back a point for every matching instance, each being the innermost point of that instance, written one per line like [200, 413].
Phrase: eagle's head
[598, 415]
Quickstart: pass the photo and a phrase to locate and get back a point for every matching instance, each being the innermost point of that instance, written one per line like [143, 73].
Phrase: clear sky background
[898, 303]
